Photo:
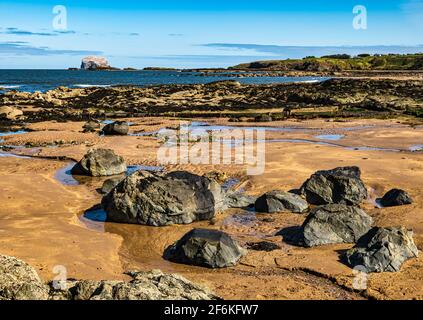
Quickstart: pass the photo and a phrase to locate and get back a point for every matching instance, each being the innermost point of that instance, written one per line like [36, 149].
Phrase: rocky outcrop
[279, 201]
[100, 163]
[396, 197]
[382, 250]
[152, 285]
[118, 128]
[19, 281]
[335, 223]
[206, 248]
[94, 63]
[10, 113]
[159, 199]
[351, 96]
[340, 185]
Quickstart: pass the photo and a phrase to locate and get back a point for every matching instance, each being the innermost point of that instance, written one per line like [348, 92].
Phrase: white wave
[9, 86]
[92, 85]
[308, 81]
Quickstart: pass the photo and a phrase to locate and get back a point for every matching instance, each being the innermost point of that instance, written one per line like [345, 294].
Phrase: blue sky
[201, 33]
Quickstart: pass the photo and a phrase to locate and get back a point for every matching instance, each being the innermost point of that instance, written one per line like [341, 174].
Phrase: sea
[44, 80]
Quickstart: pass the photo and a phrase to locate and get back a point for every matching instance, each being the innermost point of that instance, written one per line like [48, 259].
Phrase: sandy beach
[42, 214]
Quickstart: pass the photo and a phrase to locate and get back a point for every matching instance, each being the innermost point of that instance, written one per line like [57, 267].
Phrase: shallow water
[332, 137]
[10, 133]
[43, 80]
[416, 148]
[11, 155]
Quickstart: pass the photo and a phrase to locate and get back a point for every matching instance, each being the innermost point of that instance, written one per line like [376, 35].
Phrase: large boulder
[117, 128]
[10, 113]
[335, 223]
[100, 163]
[206, 248]
[279, 201]
[19, 281]
[339, 185]
[152, 285]
[160, 199]
[382, 250]
[94, 63]
[396, 197]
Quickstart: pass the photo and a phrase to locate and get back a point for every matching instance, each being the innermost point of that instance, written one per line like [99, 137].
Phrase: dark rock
[239, 200]
[91, 126]
[152, 285]
[110, 184]
[263, 118]
[19, 281]
[262, 246]
[340, 185]
[396, 197]
[279, 201]
[160, 199]
[100, 163]
[382, 250]
[206, 248]
[335, 223]
[117, 128]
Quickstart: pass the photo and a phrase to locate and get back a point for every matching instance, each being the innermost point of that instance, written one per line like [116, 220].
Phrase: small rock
[396, 197]
[263, 246]
[339, 185]
[335, 223]
[117, 128]
[239, 200]
[91, 126]
[207, 248]
[99, 163]
[263, 118]
[279, 201]
[382, 250]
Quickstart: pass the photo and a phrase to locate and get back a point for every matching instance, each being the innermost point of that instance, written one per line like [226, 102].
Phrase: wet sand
[41, 219]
